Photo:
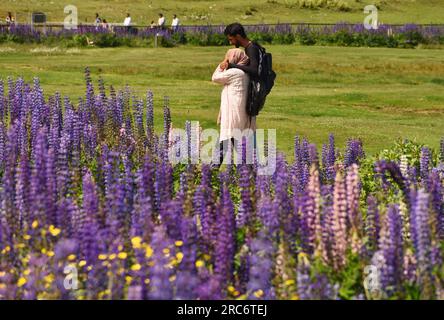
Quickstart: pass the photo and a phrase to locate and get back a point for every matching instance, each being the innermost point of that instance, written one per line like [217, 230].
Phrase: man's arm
[252, 68]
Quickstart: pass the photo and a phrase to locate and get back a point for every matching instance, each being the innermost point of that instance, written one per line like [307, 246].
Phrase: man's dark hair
[161, 15]
[234, 29]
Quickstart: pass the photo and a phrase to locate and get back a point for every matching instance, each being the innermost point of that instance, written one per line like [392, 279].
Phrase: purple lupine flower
[303, 278]
[372, 223]
[187, 280]
[204, 204]
[149, 113]
[63, 174]
[313, 155]
[23, 190]
[51, 188]
[354, 152]
[3, 145]
[268, 212]
[425, 164]
[261, 269]
[63, 248]
[326, 221]
[353, 194]
[410, 266]
[160, 285]
[89, 89]
[441, 150]
[310, 219]
[8, 194]
[245, 213]
[2, 101]
[138, 104]
[142, 218]
[391, 245]
[338, 222]
[171, 213]
[166, 120]
[392, 168]
[331, 159]
[437, 196]
[281, 198]
[423, 243]
[225, 245]
[322, 289]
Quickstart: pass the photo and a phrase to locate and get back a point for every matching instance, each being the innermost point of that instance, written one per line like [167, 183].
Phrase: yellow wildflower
[54, 231]
[71, 257]
[258, 293]
[148, 252]
[122, 255]
[179, 243]
[135, 267]
[82, 263]
[199, 263]
[21, 282]
[179, 256]
[35, 224]
[136, 242]
[102, 256]
[289, 282]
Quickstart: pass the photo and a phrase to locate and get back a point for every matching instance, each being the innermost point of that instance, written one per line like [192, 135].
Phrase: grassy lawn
[377, 94]
[226, 11]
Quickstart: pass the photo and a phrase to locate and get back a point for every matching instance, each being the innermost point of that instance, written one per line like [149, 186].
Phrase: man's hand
[224, 64]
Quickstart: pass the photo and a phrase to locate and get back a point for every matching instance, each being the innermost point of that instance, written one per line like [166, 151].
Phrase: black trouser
[223, 148]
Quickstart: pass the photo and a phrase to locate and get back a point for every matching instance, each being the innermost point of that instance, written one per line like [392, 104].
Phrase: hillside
[248, 12]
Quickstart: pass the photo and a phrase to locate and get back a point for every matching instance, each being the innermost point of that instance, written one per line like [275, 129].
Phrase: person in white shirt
[9, 19]
[175, 23]
[127, 21]
[161, 21]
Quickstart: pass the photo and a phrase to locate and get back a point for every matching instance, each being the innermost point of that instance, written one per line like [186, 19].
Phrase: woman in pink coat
[233, 117]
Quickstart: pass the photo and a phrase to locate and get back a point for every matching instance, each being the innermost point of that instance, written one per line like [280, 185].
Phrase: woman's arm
[221, 76]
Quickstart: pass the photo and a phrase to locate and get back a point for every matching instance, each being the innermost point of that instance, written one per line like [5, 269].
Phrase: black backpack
[260, 87]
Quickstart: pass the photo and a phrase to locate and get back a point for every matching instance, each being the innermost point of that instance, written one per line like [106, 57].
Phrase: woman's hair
[237, 56]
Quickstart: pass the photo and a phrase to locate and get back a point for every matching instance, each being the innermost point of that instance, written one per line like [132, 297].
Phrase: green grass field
[226, 11]
[377, 94]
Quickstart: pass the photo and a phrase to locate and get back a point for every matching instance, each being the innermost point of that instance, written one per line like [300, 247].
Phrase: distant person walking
[98, 20]
[9, 19]
[175, 23]
[127, 21]
[161, 21]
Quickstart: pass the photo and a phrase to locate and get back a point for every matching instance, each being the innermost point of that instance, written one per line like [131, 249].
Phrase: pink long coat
[233, 101]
